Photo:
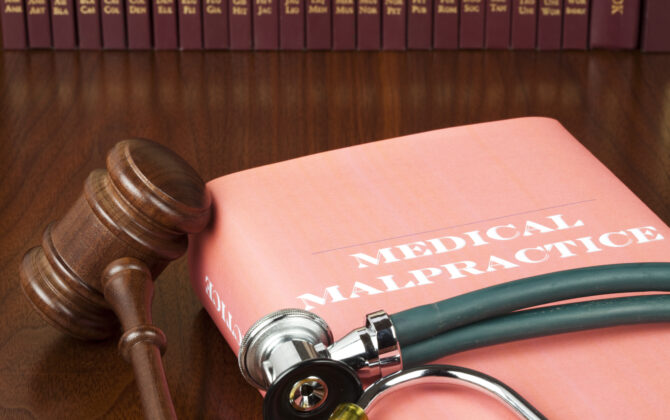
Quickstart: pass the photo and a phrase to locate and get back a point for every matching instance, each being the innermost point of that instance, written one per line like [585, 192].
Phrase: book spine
[576, 25]
[266, 25]
[13, 25]
[215, 25]
[344, 25]
[549, 24]
[88, 25]
[62, 25]
[39, 24]
[190, 24]
[138, 22]
[615, 24]
[656, 26]
[445, 24]
[292, 25]
[524, 24]
[240, 25]
[113, 25]
[394, 36]
[498, 20]
[472, 24]
[419, 24]
[368, 25]
[318, 24]
[164, 13]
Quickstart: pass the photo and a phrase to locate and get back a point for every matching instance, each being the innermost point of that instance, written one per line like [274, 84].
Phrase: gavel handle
[128, 288]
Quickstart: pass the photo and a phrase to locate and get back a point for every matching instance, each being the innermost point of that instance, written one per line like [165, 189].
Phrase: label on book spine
[576, 24]
[369, 25]
[39, 24]
[292, 24]
[549, 24]
[394, 36]
[419, 20]
[472, 24]
[344, 24]
[62, 25]
[13, 24]
[139, 24]
[445, 24]
[615, 24]
[240, 25]
[165, 24]
[498, 23]
[524, 24]
[266, 25]
[88, 25]
[656, 26]
[113, 25]
[318, 24]
[190, 25]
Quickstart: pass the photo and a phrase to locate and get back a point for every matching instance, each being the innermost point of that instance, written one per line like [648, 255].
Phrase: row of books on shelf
[336, 24]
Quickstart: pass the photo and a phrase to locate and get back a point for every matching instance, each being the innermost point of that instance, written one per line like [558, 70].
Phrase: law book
[239, 21]
[524, 24]
[190, 24]
[656, 26]
[13, 20]
[344, 24]
[292, 24]
[498, 23]
[472, 24]
[215, 25]
[549, 24]
[113, 22]
[138, 25]
[266, 25]
[576, 24]
[394, 25]
[63, 31]
[445, 24]
[318, 25]
[615, 24]
[368, 25]
[164, 14]
[39, 23]
[419, 24]
[88, 24]
[395, 224]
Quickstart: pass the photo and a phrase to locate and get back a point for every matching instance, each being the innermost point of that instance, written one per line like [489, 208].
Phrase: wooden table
[224, 112]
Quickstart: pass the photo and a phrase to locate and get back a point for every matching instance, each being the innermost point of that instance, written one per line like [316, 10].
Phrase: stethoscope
[291, 353]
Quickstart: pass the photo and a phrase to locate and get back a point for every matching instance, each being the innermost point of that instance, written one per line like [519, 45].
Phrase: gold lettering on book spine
[550, 8]
[292, 7]
[617, 7]
[13, 6]
[344, 7]
[37, 7]
[368, 7]
[526, 7]
[59, 8]
[214, 7]
[137, 7]
[240, 7]
[472, 6]
[418, 7]
[498, 6]
[576, 7]
[447, 7]
[111, 7]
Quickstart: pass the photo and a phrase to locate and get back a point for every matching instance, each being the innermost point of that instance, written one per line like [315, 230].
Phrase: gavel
[96, 265]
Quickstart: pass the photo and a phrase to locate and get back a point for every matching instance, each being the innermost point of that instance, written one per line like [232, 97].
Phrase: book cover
[240, 25]
[113, 25]
[656, 26]
[344, 24]
[88, 25]
[39, 23]
[164, 14]
[318, 25]
[472, 24]
[394, 25]
[419, 24]
[266, 25]
[190, 24]
[445, 24]
[524, 24]
[498, 22]
[576, 24]
[368, 25]
[549, 24]
[615, 24]
[13, 22]
[62, 25]
[409, 221]
[138, 25]
[292, 24]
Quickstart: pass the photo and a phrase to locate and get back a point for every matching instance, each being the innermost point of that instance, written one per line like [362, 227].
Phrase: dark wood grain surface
[224, 112]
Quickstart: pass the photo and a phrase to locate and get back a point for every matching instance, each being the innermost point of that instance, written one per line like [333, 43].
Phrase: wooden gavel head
[142, 207]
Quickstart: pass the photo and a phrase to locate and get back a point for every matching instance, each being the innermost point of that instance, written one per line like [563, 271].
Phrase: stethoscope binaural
[291, 354]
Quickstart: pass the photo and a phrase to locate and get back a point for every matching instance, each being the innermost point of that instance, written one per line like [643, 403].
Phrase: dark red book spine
[472, 24]
[113, 25]
[344, 25]
[615, 24]
[445, 24]
[240, 25]
[576, 24]
[39, 24]
[13, 25]
[215, 25]
[138, 21]
[292, 24]
[549, 24]
[498, 21]
[62, 25]
[164, 13]
[190, 24]
[524, 24]
[656, 26]
[368, 25]
[266, 25]
[419, 24]
[88, 25]
[394, 27]
[318, 25]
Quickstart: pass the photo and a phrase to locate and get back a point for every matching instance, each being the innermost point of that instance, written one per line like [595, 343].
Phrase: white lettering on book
[220, 307]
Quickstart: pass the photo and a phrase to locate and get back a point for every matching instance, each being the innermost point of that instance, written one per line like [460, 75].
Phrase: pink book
[412, 220]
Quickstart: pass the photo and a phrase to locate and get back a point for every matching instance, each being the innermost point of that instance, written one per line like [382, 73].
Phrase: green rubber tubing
[422, 322]
[540, 322]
